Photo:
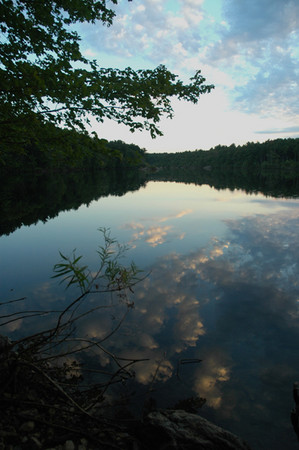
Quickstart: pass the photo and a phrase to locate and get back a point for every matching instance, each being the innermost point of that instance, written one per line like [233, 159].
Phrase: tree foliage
[45, 77]
[280, 154]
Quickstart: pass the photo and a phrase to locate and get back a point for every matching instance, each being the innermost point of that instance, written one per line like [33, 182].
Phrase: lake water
[222, 287]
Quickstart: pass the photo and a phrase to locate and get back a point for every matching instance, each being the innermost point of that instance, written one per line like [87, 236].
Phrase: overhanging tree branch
[38, 55]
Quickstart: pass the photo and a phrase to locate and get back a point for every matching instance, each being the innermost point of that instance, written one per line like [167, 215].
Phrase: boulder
[177, 429]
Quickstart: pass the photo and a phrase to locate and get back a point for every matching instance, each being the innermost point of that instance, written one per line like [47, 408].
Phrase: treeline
[257, 157]
[59, 149]
[30, 196]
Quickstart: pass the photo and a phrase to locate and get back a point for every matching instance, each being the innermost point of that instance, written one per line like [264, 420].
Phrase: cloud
[288, 130]
[210, 376]
[254, 28]
[230, 304]
[150, 31]
[157, 369]
[258, 20]
[259, 45]
[189, 326]
[274, 89]
[248, 49]
[177, 215]
[152, 235]
[155, 234]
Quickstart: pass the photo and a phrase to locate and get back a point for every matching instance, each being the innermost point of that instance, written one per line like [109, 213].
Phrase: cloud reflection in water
[234, 304]
[155, 234]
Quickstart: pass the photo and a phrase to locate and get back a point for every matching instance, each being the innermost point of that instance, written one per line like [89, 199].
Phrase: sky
[249, 49]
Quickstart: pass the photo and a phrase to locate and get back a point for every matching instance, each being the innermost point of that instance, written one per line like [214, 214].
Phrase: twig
[150, 388]
[186, 361]
[81, 431]
[57, 386]
[35, 313]
[67, 309]
[12, 301]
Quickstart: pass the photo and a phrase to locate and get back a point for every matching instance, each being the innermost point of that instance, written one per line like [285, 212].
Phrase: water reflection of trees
[27, 199]
[274, 183]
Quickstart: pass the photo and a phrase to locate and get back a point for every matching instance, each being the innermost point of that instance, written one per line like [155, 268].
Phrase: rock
[177, 429]
[5, 346]
[69, 445]
[35, 443]
[82, 447]
[5, 343]
[83, 444]
[27, 426]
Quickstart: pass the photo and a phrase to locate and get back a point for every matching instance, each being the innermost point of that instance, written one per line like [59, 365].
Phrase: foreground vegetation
[44, 391]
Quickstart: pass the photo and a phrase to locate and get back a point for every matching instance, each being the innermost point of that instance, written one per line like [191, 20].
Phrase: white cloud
[178, 23]
[259, 46]
[248, 49]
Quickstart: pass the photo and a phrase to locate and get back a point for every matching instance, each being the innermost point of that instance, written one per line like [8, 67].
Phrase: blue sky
[249, 49]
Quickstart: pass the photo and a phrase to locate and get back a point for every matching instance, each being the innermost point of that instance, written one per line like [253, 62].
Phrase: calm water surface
[222, 287]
